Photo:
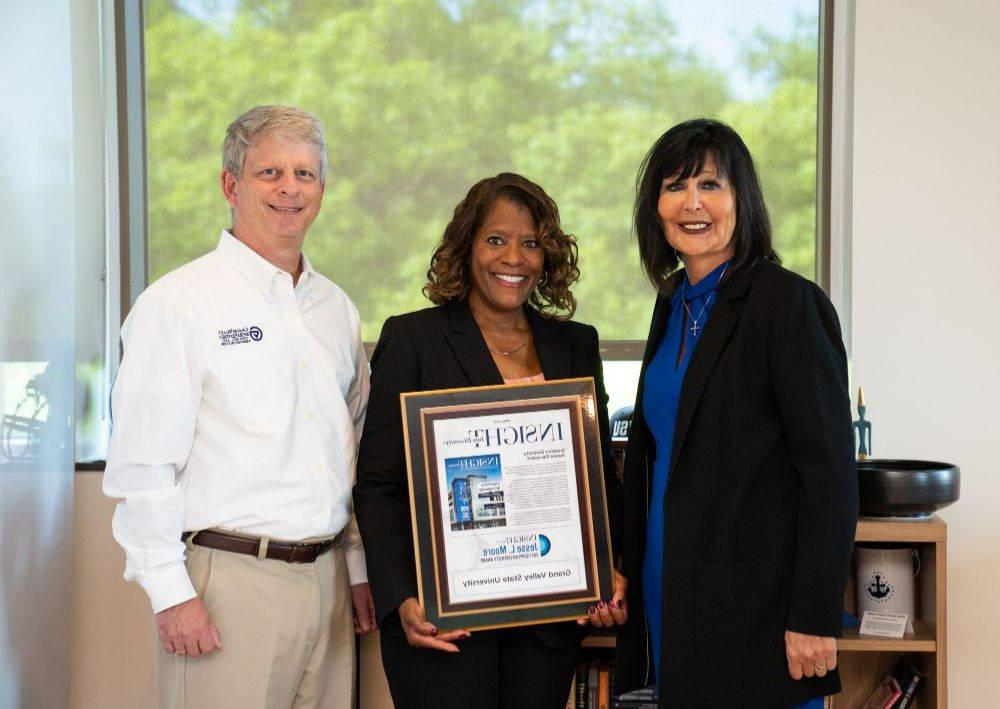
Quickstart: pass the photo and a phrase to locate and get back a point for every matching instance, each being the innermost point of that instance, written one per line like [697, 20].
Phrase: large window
[421, 98]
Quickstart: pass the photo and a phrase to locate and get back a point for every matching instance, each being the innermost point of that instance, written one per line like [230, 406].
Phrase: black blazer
[442, 348]
[761, 504]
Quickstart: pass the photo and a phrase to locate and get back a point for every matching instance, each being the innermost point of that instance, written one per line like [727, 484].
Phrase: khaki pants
[287, 636]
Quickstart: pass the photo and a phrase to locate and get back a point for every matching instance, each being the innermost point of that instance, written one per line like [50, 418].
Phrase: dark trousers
[508, 668]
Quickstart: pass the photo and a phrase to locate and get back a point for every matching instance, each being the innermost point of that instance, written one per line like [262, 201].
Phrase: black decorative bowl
[906, 488]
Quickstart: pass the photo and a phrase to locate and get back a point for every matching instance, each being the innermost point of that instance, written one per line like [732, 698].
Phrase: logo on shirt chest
[240, 335]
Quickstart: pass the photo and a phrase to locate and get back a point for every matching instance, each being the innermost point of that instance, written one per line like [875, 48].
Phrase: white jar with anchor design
[885, 579]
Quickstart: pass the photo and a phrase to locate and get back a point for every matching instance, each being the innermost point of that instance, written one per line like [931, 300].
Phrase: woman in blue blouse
[740, 486]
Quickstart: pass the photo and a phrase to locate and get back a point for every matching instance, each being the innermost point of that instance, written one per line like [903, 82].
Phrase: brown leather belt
[263, 547]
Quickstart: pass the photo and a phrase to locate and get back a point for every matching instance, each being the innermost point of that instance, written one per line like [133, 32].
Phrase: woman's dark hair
[683, 151]
[448, 276]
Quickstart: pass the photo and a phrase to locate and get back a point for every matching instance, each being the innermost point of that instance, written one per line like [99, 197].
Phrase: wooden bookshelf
[921, 640]
[864, 661]
[931, 529]
[598, 639]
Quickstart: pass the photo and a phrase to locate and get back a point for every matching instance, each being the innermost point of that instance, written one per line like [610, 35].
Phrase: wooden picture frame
[507, 500]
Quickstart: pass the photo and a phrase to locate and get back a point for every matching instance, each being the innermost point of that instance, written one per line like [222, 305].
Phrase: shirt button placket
[306, 389]
[297, 332]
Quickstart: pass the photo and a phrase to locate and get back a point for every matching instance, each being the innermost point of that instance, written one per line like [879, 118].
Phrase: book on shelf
[603, 686]
[897, 689]
[593, 685]
[885, 695]
[592, 674]
[580, 686]
[916, 679]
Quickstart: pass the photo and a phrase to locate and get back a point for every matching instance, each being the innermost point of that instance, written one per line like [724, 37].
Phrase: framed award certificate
[507, 500]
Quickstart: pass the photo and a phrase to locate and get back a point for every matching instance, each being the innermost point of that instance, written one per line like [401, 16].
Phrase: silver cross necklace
[694, 320]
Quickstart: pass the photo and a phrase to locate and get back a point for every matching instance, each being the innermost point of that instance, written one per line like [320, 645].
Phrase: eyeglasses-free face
[699, 217]
[507, 258]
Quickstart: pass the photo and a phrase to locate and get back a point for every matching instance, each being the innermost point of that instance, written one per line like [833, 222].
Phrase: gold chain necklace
[509, 353]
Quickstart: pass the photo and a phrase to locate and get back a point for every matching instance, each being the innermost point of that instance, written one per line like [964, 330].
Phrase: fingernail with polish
[602, 605]
[592, 610]
[434, 631]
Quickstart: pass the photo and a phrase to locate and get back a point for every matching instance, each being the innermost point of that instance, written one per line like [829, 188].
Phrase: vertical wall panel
[43, 195]
[924, 273]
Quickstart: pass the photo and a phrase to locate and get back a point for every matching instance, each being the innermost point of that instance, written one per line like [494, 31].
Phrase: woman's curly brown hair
[448, 276]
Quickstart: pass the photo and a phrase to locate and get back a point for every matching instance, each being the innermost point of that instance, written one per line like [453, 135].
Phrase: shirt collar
[308, 272]
[255, 267]
[706, 284]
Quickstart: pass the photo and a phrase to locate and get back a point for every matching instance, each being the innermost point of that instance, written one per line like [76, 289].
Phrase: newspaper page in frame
[509, 495]
[510, 523]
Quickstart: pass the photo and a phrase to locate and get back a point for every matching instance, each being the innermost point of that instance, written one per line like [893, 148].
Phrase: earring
[544, 280]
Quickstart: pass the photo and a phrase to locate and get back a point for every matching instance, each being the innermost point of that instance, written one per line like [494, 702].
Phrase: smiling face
[276, 196]
[506, 260]
[699, 216]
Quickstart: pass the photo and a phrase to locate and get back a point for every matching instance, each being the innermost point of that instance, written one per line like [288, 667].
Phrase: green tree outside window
[421, 98]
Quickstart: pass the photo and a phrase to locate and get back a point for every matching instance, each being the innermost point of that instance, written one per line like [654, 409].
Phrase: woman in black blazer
[500, 277]
[740, 486]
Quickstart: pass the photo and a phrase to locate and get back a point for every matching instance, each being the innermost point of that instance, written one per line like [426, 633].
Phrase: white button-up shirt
[239, 404]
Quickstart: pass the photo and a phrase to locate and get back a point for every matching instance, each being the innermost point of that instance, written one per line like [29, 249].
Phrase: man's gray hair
[276, 122]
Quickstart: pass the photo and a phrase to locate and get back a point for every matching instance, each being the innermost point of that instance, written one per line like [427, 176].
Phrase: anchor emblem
[878, 589]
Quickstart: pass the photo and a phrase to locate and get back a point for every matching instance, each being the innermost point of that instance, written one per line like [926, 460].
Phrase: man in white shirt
[237, 412]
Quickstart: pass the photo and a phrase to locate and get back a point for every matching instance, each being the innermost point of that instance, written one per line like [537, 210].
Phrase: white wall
[926, 286]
